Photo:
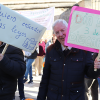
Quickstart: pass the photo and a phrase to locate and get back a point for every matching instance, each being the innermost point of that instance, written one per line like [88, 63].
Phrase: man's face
[46, 41]
[60, 32]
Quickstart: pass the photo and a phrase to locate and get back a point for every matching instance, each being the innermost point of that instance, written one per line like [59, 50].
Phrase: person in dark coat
[65, 67]
[91, 85]
[12, 66]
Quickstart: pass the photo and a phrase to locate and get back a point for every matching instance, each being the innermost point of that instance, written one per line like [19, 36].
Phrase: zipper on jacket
[63, 72]
[62, 77]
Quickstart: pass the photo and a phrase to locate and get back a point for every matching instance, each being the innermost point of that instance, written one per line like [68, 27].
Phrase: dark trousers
[7, 97]
[93, 89]
[21, 87]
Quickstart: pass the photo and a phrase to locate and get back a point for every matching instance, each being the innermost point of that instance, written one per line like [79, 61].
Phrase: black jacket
[33, 55]
[12, 66]
[63, 77]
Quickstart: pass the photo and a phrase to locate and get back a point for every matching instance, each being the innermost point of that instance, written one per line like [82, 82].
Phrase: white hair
[58, 21]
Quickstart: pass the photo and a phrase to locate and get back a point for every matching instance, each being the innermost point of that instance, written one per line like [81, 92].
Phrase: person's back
[41, 48]
[12, 66]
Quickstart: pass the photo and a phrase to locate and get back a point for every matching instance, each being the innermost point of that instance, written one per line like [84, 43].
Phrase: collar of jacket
[57, 46]
[3, 44]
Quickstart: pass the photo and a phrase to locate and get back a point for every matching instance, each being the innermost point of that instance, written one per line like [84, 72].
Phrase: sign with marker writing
[19, 31]
[83, 30]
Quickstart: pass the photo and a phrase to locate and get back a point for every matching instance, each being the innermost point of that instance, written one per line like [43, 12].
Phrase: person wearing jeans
[29, 62]
[29, 69]
[99, 83]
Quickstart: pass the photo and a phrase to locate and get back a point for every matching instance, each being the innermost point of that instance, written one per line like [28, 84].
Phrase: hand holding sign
[1, 56]
[97, 64]
[83, 29]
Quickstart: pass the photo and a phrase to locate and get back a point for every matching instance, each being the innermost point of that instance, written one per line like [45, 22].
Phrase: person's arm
[23, 52]
[47, 44]
[43, 46]
[45, 80]
[14, 65]
[37, 49]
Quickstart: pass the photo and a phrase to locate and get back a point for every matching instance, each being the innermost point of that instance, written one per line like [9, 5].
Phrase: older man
[63, 75]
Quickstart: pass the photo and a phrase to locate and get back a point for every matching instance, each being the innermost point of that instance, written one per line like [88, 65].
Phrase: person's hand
[97, 64]
[1, 56]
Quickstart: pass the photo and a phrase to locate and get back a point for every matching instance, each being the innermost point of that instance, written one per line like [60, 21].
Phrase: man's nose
[60, 33]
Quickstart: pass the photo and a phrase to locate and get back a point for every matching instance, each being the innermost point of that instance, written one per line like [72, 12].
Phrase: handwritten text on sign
[18, 30]
[84, 29]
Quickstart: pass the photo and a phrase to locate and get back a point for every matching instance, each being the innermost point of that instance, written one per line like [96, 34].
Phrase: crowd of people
[68, 72]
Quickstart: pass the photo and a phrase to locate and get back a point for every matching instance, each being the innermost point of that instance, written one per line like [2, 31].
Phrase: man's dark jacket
[63, 77]
[12, 66]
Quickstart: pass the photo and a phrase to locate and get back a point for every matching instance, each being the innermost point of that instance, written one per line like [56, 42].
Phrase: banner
[19, 31]
[44, 17]
[83, 30]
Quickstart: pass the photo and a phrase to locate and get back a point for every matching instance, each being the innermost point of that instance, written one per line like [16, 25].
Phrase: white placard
[44, 17]
[19, 31]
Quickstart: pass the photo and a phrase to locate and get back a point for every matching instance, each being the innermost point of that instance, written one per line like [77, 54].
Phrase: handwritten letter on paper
[84, 29]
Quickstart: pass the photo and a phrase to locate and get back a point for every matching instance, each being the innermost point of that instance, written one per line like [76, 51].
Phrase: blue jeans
[99, 83]
[29, 68]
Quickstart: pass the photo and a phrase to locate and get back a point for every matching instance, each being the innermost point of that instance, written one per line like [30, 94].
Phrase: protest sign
[44, 17]
[19, 31]
[84, 29]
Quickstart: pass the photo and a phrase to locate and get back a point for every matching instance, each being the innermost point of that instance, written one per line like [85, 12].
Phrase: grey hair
[58, 21]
